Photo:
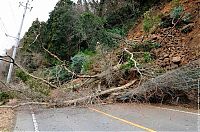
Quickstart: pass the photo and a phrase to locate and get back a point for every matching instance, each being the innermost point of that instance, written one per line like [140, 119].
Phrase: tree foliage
[63, 30]
[72, 28]
[150, 21]
[31, 41]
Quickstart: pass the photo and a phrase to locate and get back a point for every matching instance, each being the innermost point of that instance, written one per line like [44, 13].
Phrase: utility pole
[26, 7]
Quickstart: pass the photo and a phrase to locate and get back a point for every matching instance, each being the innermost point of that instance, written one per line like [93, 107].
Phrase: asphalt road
[118, 117]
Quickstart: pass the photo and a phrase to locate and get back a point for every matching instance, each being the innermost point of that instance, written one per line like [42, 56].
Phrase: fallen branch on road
[83, 99]
[74, 101]
[24, 104]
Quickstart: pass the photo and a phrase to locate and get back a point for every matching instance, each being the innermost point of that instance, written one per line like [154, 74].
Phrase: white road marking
[35, 124]
[186, 112]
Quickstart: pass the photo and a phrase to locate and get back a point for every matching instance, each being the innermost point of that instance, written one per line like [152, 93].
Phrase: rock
[166, 60]
[166, 55]
[154, 37]
[187, 28]
[176, 59]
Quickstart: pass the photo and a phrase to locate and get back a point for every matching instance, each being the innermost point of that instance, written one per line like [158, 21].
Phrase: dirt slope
[177, 48]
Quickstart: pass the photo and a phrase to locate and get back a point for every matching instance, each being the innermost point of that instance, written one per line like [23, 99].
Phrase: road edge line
[181, 111]
[123, 120]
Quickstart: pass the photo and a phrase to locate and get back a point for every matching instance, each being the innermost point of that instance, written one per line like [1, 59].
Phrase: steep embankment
[180, 45]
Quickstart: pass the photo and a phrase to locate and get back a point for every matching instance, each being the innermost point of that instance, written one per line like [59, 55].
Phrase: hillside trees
[32, 38]
[66, 32]
[63, 30]
[31, 53]
[72, 28]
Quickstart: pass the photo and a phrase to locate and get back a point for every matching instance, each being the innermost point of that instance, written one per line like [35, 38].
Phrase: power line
[12, 11]
[4, 30]
[3, 27]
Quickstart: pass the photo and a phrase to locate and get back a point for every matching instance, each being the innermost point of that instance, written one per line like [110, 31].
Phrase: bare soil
[7, 117]
[177, 48]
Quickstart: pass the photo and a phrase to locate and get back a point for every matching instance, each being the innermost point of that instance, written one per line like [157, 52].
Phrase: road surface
[118, 117]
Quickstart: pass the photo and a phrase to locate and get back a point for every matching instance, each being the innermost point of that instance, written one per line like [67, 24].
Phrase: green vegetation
[78, 61]
[81, 62]
[38, 87]
[23, 76]
[74, 31]
[187, 18]
[4, 96]
[176, 12]
[56, 73]
[128, 65]
[69, 30]
[150, 21]
[147, 57]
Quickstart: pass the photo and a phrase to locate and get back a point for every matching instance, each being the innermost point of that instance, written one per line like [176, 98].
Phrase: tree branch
[67, 69]
[135, 62]
[26, 72]
[74, 101]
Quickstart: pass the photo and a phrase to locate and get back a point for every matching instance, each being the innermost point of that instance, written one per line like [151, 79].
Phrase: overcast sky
[11, 15]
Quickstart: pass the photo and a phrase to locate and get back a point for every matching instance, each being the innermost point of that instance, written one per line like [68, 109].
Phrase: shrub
[147, 57]
[150, 21]
[117, 30]
[57, 73]
[128, 65]
[89, 52]
[80, 63]
[39, 87]
[20, 74]
[176, 12]
[4, 96]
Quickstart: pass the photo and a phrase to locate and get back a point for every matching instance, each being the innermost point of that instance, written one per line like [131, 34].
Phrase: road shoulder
[7, 119]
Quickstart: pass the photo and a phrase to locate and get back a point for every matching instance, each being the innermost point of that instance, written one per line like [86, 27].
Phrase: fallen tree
[74, 101]
[177, 86]
[93, 78]
[80, 100]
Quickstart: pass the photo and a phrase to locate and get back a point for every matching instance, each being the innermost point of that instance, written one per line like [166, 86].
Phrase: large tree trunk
[174, 86]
